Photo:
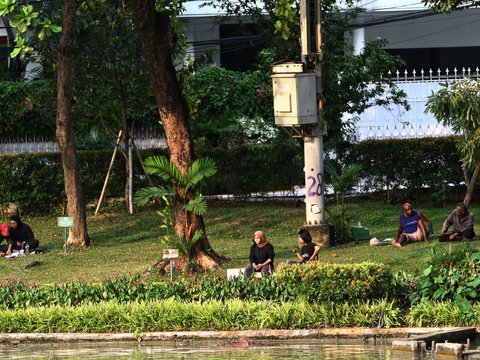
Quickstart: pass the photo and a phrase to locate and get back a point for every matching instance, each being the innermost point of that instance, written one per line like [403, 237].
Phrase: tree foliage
[458, 105]
[351, 83]
[447, 6]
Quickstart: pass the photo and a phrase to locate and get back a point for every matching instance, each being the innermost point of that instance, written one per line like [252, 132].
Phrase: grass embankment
[127, 244]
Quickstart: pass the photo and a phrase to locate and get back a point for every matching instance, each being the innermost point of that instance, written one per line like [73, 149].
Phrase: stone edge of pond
[346, 333]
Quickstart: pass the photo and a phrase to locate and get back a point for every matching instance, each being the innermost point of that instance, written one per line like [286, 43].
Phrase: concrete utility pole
[298, 107]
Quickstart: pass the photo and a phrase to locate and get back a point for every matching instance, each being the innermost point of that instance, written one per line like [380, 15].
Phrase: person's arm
[422, 229]
[252, 257]
[427, 220]
[446, 224]
[315, 253]
[28, 233]
[9, 249]
[400, 229]
[294, 250]
[468, 224]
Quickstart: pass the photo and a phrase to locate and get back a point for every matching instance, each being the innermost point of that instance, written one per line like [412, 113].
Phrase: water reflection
[215, 350]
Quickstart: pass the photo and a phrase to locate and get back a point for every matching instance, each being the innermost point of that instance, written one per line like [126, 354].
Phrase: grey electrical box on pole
[298, 105]
[294, 97]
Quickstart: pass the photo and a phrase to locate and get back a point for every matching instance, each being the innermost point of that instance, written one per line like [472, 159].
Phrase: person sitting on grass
[411, 227]
[261, 256]
[462, 222]
[309, 250]
[20, 235]
[4, 235]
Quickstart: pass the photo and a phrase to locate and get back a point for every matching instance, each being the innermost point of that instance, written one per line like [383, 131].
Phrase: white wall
[3, 31]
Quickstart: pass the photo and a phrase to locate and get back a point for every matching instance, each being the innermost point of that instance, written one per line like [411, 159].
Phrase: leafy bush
[35, 181]
[314, 282]
[319, 282]
[247, 169]
[431, 162]
[452, 275]
[446, 313]
[19, 113]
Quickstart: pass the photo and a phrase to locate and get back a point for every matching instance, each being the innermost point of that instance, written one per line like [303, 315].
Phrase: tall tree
[157, 39]
[75, 202]
[458, 105]
[24, 18]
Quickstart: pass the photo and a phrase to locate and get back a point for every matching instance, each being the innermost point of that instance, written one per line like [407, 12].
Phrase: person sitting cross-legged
[462, 222]
[411, 227]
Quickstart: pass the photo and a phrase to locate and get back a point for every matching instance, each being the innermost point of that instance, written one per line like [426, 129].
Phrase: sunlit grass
[126, 244]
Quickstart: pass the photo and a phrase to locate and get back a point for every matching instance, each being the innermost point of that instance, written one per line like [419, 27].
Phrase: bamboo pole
[107, 177]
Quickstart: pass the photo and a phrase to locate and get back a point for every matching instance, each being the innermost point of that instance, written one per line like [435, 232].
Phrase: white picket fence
[145, 138]
[394, 122]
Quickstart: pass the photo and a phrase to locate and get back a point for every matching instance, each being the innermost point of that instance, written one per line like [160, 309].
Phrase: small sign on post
[65, 222]
[170, 254]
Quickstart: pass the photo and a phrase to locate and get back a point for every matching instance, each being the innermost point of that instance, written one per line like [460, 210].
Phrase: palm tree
[182, 185]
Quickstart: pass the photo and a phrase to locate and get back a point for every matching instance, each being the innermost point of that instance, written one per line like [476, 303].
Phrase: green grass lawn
[127, 244]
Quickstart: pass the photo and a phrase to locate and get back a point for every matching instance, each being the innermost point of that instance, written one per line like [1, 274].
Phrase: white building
[436, 48]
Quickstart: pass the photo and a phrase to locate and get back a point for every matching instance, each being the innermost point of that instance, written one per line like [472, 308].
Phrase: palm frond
[199, 170]
[145, 195]
[347, 178]
[164, 168]
[198, 206]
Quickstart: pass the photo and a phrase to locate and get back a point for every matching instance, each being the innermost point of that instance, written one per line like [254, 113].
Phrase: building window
[439, 58]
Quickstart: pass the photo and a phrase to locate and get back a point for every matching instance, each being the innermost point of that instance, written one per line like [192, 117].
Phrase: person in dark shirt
[20, 235]
[261, 256]
[462, 221]
[309, 250]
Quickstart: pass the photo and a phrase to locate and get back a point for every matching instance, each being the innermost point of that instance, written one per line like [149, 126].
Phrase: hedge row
[35, 181]
[314, 282]
[407, 163]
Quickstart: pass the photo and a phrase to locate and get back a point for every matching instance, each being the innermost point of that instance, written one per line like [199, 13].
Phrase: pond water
[214, 349]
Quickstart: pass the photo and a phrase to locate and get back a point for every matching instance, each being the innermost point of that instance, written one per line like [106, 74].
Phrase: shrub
[405, 163]
[315, 283]
[452, 275]
[318, 282]
[35, 181]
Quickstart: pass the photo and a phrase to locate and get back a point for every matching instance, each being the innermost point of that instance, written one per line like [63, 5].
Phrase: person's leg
[33, 244]
[248, 271]
[444, 237]
[266, 270]
[469, 234]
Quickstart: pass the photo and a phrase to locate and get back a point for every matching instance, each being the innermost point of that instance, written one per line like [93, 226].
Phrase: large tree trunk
[157, 40]
[470, 183]
[78, 235]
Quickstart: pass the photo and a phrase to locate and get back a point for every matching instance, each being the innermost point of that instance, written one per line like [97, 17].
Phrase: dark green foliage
[313, 282]
[327, 282]
[411, 164]
[259, 168]
[35, 181]
[452, 275]
[19, 110]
